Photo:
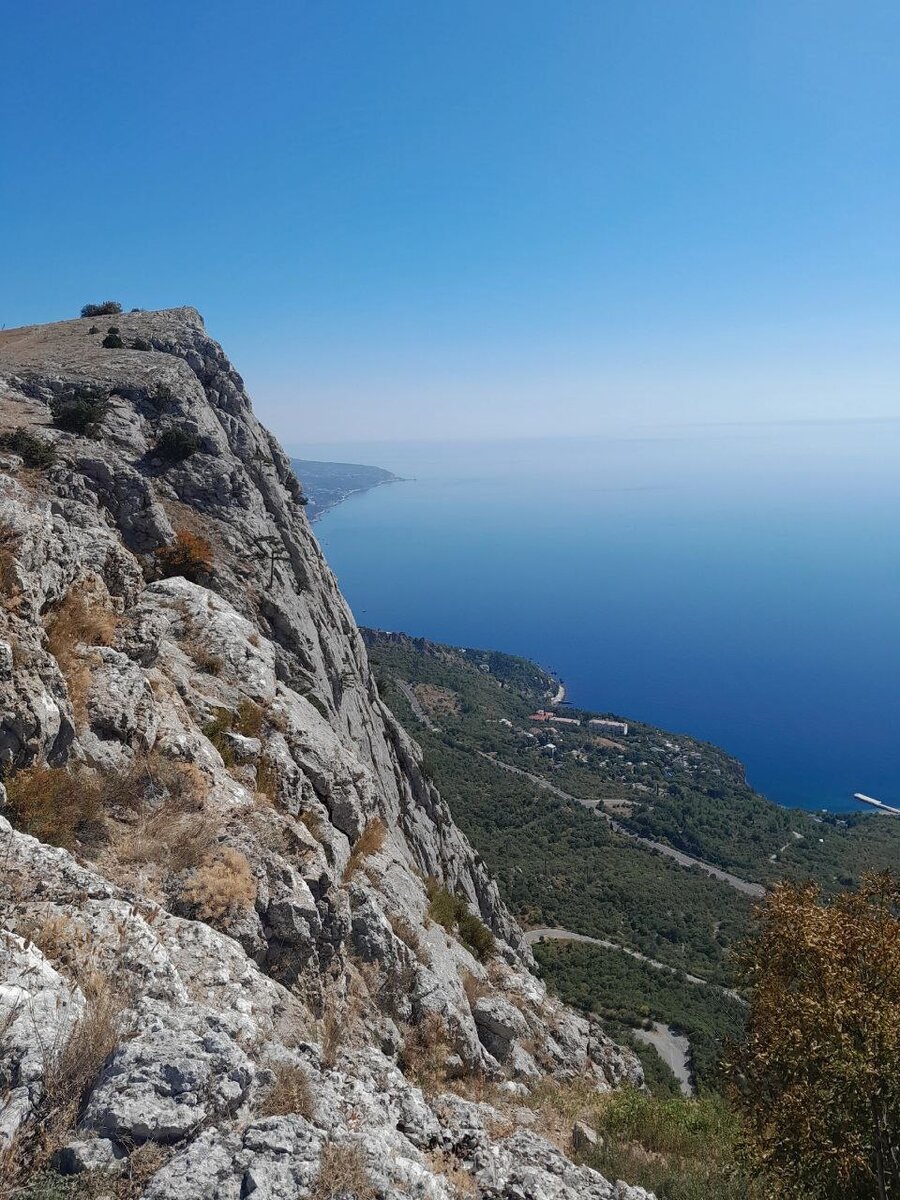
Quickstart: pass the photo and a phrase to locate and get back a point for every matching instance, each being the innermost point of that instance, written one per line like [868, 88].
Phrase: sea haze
[741, 584]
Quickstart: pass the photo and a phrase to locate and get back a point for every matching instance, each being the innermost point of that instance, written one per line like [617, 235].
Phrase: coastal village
[550, 723]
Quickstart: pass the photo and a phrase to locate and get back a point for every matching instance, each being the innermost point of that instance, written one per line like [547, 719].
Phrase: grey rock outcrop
[249, 830]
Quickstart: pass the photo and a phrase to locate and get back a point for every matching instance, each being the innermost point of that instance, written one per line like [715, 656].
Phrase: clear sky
[465, 218]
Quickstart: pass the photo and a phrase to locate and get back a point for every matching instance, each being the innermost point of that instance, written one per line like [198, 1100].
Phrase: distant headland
[327, 484]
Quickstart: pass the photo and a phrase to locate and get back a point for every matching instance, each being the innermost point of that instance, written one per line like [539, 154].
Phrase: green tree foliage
[625, 992]
[817, 1078]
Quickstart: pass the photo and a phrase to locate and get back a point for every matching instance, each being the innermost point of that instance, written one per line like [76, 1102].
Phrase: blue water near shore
[741, 584]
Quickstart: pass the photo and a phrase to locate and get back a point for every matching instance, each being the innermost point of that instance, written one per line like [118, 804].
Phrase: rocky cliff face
[243, 947]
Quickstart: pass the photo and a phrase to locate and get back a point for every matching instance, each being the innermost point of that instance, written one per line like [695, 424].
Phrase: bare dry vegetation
[60, 938]
[249, 719]
[204, 658]
[407, 934]
[9, 588]
[223, 884]
[57, 806]
[83, 618]
[426, 1049]
[438, 701]
[343, 1174]
[70, 1070]
[190, 555]
[473, 987]
[444, 1163]
[267, 779]
[161, 828]
[289, 1094]
[332, 1033]
[368, 843]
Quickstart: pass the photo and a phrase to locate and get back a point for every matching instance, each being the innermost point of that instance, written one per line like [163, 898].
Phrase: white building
[602, 725]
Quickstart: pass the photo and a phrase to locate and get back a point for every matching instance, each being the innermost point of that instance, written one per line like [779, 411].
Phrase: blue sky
[478, 217]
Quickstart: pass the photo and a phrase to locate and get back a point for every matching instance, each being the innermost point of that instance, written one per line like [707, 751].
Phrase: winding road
[756, 890]
[418, 711]
[567, 935]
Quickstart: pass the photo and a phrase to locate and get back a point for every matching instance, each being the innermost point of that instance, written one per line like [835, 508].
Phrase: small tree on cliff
[818, 1076]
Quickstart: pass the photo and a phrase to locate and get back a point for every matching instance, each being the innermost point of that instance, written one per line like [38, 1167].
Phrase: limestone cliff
[243, 893]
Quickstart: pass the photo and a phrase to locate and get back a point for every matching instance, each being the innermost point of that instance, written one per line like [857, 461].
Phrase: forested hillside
[565, 830]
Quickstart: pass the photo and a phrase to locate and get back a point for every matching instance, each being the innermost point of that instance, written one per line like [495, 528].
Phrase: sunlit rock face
[236, 906]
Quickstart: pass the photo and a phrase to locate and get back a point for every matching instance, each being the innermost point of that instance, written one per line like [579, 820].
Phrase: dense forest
[560, 864]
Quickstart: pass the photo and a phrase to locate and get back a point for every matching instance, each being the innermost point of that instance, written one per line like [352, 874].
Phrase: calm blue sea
[741, 584]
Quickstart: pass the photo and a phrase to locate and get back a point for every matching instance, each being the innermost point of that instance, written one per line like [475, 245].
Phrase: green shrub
[113, 339]
[107, 309]
[452, 912]
[140, 343]
[476, 936]
[679, 1148]
[176, 443]
[34, 451]
[94, 329]
[82, 409]
[217, 729]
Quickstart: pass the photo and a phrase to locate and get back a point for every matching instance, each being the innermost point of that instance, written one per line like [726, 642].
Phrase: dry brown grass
[368, 843]
[313, 823]
[82, 618]
[444, 1163]
[267, 779]
[474, 987]
[9, 589]
[189, 555]
[343, 1174]
[426, 1049]
[223, 884]
[249, 718]
[208, 662]
[60, 938]
[332, 1032]
[407, 934]
[57, 806]
[289, 1094]
[164, 830]
[70, 1069]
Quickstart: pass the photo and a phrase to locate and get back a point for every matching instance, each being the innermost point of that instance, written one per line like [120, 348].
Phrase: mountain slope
[225, 869]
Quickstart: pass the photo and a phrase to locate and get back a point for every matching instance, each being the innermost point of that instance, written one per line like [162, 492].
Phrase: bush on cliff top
[105, 309]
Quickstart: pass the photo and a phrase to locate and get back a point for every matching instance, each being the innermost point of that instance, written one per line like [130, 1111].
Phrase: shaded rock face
[248, 831]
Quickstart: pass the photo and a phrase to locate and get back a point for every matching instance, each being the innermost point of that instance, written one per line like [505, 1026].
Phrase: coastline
[359, 491]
